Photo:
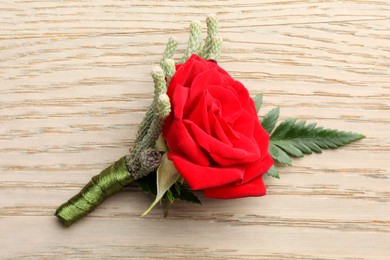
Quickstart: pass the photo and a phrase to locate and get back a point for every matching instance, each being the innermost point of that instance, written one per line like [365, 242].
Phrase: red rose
[213, 132]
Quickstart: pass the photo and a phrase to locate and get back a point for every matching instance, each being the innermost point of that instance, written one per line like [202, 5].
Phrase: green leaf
[148, 183]
[170, 196]
[167, 175]
[177, 188]
[285, 126]
[258, 99]
[185, 194]
[279, 155]
[292, 138]
[270, 119]
[273, 172]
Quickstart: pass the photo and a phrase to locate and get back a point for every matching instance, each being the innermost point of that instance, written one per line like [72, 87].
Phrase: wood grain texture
[75, 84]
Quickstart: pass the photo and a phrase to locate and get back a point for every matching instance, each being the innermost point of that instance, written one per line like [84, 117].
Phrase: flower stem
[109, 181]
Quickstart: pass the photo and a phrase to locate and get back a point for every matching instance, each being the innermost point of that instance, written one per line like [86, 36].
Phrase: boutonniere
[202, 132]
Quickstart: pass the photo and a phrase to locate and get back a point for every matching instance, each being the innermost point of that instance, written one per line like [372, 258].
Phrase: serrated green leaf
[304, 148]
[296, 139]
[312, 146]
[258, 99]
[290, 149]
[283, 128]
[279, 155]
[273, 172]
[270, 119]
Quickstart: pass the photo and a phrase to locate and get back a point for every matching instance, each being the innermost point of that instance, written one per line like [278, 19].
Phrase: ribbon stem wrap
[101, 186]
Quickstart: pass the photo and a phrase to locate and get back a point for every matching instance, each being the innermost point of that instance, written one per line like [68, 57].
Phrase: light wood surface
[75, 84]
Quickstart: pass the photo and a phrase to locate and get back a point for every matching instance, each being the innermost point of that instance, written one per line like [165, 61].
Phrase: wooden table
[75, 84]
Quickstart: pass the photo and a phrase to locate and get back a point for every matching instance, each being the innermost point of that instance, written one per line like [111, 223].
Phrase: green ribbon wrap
[101, 186]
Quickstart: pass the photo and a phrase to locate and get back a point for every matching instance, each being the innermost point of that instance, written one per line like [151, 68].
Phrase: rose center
[223, 103]
[216, 107]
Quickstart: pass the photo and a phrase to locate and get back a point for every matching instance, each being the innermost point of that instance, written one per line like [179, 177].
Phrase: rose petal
[179, 100]
[232, 191]
[217, 131]
[243, 95]
[243, 151]
[227, 99]
[245, 124]
[200, 177]
[262, 138]
[179, 140]
[201, 82]
[257, 169]
[228, 130]
[186, 72]
[249, 145]
[218, 150]
[200, 116]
